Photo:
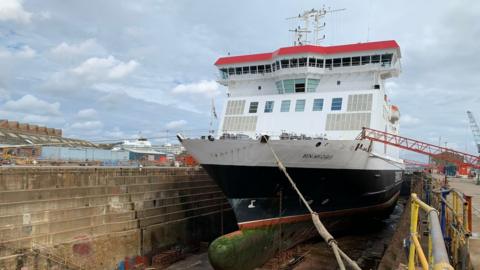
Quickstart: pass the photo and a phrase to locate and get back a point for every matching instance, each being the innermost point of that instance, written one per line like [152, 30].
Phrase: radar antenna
[301, 32]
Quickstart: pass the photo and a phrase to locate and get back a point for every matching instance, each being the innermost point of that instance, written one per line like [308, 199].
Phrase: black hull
[263, 196]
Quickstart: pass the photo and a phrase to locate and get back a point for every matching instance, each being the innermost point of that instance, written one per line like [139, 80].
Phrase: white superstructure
[317, 91]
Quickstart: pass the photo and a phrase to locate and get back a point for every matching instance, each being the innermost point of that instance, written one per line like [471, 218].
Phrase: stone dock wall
[95, 217]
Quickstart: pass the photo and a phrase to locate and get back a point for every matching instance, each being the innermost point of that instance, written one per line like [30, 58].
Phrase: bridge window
[253, 107]
[268, 107]
[318, 104]
[375, 59]
[261, 69]
[268, 68]
[365, 60]
[285, 107]
[346, 61]
[302, 62]
[300, 105]
[337, 62]
[320, 63]
[246, 70]
[328, 63]
[253, 69]
[311, 62]
[277, 65]
[284, 63]
[224, 73]
[387, 58]
[356, 61]
[299, 85]
[293, 62]
[238, 71]
[336, 104]
[231, 71]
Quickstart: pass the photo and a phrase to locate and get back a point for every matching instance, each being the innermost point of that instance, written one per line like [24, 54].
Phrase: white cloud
[41, 119]
[85, 47]
[116, 133]
[135, 32]
[44, 15]
[176, 124]
[26, 52]
[122, 69]
[4, 94]
[409, 120]
[23, 52]
[12, 10]
[204, 87]
[87, 113]
[92, 72]
[32, 105]
[100, 68]
[87, 125]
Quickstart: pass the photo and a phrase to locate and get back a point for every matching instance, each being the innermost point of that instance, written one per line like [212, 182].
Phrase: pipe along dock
[139, 218]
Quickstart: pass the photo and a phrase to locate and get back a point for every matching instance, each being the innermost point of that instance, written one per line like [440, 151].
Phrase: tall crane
[475, 129]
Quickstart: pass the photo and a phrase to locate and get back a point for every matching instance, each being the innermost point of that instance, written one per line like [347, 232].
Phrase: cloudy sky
[111, 69]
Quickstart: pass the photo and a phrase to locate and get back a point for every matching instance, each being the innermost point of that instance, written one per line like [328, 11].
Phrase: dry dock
[105, 218]
[134, 218]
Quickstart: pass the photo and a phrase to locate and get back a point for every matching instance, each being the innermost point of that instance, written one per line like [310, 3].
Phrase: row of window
[301, 85]
[299, 105]
[384, 59]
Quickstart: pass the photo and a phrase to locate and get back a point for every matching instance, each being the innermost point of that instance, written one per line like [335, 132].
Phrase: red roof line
[357, 47]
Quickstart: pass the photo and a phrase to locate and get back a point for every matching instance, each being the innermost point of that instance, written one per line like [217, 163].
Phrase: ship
[310, 102]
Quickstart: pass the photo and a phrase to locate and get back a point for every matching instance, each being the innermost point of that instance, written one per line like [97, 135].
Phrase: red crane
[420, 147]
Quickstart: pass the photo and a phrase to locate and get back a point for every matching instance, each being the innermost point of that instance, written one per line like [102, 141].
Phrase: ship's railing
[437, 252]
[272, 135]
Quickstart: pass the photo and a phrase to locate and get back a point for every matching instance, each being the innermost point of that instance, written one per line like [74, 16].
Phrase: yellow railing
[437, 252]
[455, 221]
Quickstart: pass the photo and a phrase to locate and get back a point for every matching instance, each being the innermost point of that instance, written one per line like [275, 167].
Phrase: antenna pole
[301, 32]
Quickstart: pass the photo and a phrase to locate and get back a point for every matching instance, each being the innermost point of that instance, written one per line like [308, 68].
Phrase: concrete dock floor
[194, 262]
[469, 187]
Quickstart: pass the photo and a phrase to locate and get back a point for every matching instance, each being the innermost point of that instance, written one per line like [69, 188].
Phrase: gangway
[419, 147]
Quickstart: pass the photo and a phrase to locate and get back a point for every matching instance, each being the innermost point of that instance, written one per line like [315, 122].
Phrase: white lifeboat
[394, 114]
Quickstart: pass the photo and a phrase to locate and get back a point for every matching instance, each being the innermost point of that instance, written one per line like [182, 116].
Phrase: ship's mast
[301, 31]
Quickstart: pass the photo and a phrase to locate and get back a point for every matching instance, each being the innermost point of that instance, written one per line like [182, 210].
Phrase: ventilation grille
[347, 121]
[361, 102]
[235, 107]
[239, 123]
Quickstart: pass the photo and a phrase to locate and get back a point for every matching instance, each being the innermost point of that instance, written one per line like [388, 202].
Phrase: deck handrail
[437, 252]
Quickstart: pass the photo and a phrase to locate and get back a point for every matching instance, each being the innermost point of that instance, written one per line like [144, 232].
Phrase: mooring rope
[339, 254]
